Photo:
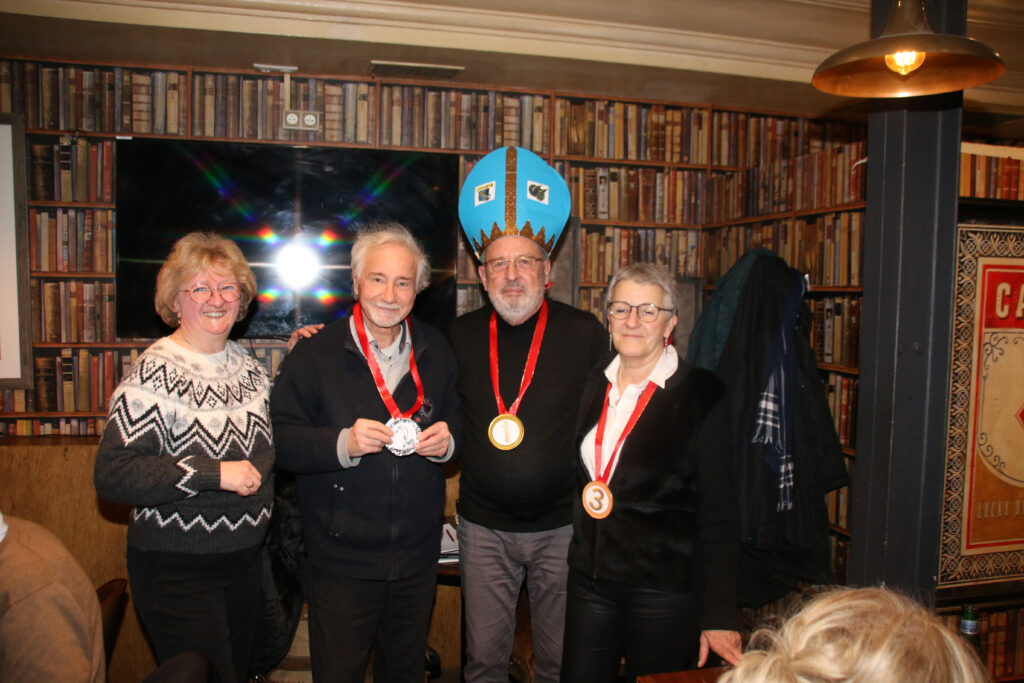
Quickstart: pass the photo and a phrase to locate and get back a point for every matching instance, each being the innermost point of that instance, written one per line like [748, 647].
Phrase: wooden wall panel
[49, 481]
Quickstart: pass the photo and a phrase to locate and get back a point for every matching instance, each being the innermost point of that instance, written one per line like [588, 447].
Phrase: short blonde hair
[375, 234]
[859, 635]
[195, 252]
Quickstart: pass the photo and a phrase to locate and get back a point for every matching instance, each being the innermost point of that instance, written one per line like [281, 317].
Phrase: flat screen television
[293, 211]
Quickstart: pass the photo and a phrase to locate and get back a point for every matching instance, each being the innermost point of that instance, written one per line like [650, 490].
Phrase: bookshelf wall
[796, 187]
[690, 186]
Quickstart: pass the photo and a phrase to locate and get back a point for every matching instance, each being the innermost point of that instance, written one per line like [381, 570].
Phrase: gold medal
[505, 431]
[597, 499]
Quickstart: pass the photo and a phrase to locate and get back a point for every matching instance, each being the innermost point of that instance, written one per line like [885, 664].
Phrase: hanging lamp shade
[908, 59]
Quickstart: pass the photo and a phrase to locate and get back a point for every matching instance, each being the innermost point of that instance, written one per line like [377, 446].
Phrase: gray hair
[647, 274]
[376, 234]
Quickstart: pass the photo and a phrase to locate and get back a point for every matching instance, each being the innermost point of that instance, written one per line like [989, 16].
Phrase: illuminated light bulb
[905, 61]
[297, 265]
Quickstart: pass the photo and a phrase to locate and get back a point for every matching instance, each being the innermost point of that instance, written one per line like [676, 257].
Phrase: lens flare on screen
[268, 295]
[219, 179]
[268, 235]
[324, 296]
[298, 265]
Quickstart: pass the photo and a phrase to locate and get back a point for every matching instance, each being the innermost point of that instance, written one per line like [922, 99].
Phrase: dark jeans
[655, 630]
[348, 617]
[206, 603]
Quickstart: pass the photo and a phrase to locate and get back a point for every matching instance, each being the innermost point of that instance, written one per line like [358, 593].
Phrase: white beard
[519, 312]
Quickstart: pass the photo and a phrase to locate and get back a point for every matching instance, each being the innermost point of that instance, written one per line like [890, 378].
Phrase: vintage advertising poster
[983, 515]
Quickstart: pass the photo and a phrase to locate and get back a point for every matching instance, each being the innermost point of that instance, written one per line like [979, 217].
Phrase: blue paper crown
[512, 191]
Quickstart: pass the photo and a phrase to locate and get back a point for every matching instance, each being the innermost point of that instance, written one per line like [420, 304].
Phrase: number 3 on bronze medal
[597, 499]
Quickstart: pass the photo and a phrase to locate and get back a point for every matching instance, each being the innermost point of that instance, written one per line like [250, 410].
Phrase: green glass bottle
[969, 630]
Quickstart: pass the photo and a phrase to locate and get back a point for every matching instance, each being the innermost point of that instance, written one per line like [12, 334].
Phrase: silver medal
[406, 433]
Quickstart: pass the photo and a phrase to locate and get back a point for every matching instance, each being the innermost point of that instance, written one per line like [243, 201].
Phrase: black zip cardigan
[382, 518]
[674, 521]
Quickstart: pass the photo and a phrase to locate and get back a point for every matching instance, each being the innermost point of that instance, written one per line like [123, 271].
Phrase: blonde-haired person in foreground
[859, 634]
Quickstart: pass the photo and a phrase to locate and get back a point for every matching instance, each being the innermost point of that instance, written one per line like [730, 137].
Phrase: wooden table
[694, 676]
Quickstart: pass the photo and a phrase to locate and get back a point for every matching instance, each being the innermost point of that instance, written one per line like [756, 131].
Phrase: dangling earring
[665, 343]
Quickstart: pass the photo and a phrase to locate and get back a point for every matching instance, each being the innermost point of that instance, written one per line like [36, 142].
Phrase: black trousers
[204, 603]
[349, 617]
[656, 631]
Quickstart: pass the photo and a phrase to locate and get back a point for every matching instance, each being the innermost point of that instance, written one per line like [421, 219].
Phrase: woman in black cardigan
[655, 546]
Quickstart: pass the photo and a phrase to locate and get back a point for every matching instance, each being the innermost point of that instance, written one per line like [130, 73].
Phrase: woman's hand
[367, 436]
[240, 476]
[433, 441]
[304, 332]
[726, 644]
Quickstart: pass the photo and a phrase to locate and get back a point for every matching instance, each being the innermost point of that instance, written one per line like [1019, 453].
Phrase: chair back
[113, 599]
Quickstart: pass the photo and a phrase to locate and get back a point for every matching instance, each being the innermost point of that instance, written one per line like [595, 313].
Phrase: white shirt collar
[666, 366]
[3, 527]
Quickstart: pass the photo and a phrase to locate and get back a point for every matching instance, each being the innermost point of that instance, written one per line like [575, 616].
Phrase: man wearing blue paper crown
[522, 363]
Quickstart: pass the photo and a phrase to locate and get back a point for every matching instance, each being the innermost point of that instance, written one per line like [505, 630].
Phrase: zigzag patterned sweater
[173, 419]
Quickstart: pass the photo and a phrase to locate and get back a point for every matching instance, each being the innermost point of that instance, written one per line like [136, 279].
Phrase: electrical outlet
[296, 119]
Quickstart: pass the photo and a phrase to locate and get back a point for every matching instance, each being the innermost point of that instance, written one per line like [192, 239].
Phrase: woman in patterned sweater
[188, 443]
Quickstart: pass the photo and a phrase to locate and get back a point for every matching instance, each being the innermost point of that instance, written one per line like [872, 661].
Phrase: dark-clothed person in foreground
[654, 552]
[522, 362]
[188, 443]
[364, 413]
[51, 628]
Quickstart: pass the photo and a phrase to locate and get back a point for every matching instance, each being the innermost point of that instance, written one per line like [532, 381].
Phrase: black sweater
[382, 518]
[529, 488]
[673, 524]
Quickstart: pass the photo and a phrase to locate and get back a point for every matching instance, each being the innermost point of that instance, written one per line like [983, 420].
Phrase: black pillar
[909, 258]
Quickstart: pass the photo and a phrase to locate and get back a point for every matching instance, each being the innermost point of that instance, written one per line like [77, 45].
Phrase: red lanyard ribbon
[641, 403]
[378, 376]
[531, 358]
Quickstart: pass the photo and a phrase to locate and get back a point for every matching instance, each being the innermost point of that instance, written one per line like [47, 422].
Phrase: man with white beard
[522, 363]
[363, 413]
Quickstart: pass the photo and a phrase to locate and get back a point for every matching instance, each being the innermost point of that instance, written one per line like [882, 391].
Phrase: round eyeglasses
[230, 292]
[647, 313]
[523, 263]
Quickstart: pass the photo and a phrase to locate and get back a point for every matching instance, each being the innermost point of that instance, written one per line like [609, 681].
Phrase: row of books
[841, 393]
[73, 311]
[415, 116]
[826, 178]
[628, 130]
[71, 240]
[82, 380]
[993, 174]
[95, 99]
[605, 250]
[629, 193]
[1001, 632]
[79, 380]
[835, 330]
[63, 426]
[469, 298]
[592, 299]
[837, 502]
[252, 107]
[825, 247]
[72, 170]
[748, 139]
